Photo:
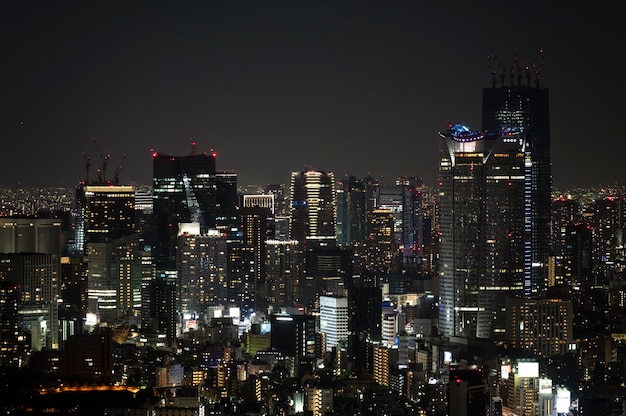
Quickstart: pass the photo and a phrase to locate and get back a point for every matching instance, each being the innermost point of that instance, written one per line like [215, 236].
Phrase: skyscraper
[351, 199]
[404, 199]
[9, 330]
[334, 320]
[313, 210]
[523, 103]
[201, 271]
[184, 191]
[484, 181]
[105, 212]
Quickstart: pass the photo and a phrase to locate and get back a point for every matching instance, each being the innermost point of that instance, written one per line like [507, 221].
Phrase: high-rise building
[522, 102]
[202, 271]
[105, 212]
[313, 210]
[30, 235]
[281, 266]
[293, 334]
[184, 191]
[578, 255]
[379, 249]
[540, 327]
[9, 329]
[37, 278]
[334, 320]
[607, 218]
[484, 184]
[404, 200]
[351, 205]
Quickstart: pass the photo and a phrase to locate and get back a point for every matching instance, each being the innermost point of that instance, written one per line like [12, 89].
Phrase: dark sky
[352, 87]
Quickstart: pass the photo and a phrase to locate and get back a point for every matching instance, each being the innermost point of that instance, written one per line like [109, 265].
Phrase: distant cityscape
[490, 292]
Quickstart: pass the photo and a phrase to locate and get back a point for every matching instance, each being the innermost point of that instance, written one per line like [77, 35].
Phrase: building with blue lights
[484, 187]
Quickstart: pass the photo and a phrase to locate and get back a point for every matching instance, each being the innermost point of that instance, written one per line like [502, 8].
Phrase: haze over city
[349, 87]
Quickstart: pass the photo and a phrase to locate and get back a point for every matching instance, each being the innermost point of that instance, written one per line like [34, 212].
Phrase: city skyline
[353, 88]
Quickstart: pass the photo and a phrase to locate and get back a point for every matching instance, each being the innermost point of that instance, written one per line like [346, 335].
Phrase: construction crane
[87, 163]
[538, 66]
[116, 172]
[105, 161]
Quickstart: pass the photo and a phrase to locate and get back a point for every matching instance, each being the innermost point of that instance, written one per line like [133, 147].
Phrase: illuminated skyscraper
[334, 320]
[523, 103]
[484, 185]
[313, 209]
[105, 212]
[184, 191]
[404, 199]
[280, 285]
[201, 271]
[37, 279]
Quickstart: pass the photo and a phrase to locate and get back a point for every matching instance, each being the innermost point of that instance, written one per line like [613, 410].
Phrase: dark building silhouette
[520, 104]
[578, 254]
[184, 191]
[293, 335]
[364, 325]
[467, 393]
[9, 329]
[351, 206]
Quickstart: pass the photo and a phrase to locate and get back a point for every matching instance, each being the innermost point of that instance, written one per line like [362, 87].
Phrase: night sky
[352, 87]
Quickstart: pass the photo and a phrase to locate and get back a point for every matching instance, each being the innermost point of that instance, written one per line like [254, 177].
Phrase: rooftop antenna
[193, 147]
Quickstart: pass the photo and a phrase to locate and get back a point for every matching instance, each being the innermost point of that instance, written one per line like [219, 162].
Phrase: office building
[351, 206]
[30, 235]
[540, 327]
[522, 102]
[327, 271]
[404, 200]
[281, 268]
[333, 320]
[246, 254]
[201, 270]
[364, 325]
[37, 278]
[313, 210]
[484, 185]
[184, 191]
[293, 334]
[105, 212]
[9, 329]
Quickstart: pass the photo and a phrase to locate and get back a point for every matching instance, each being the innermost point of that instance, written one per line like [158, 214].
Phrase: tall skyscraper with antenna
[494, 214]
[518, 100]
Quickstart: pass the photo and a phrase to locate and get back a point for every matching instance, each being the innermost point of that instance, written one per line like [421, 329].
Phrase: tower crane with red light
[116, 172]
[105, 161]
[87, 163]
